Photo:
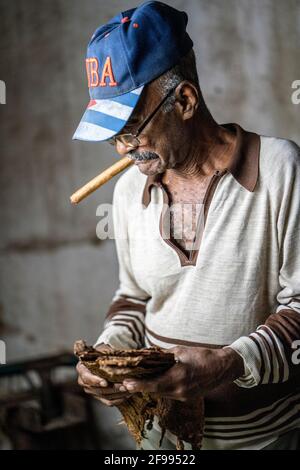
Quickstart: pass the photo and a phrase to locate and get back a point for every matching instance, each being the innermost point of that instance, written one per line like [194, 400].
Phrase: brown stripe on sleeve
[135, 298]
[129, 327]
[262, 362]
[124, 304]
[290, 418]
[280, 360]
[270, 355]
[180, 342]
[286, 324]
[131, 322]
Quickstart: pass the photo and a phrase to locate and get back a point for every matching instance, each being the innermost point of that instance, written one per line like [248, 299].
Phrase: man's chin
[149, 167]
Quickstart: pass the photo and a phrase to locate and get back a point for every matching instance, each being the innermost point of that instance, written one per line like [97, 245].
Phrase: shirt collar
[243, 167]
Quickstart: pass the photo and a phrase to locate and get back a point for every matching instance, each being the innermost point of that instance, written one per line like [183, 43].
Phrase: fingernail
[130, 386]
[102, 383]
[122, 388]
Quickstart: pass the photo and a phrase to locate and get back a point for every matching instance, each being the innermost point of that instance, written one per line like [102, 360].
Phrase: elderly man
[207, 228]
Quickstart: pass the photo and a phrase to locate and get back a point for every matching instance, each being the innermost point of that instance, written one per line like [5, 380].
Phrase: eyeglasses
[132, 140]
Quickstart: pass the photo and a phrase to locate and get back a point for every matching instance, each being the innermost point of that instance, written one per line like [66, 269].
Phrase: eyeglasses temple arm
[148, 119]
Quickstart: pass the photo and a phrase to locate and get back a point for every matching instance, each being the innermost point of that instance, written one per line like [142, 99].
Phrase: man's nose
[123, 149]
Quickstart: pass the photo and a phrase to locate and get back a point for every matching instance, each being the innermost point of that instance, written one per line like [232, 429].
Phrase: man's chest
[237, 239]
[186, 208]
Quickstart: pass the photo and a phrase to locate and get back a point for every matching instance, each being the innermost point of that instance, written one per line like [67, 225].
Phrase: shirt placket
[191, 259]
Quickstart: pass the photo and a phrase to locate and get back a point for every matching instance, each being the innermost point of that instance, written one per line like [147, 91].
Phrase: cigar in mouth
[101, 179]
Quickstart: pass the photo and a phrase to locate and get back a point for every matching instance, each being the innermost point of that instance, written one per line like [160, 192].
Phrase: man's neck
[211, 149]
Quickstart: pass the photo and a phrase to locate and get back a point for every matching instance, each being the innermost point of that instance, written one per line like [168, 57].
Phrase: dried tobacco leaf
[185, 420]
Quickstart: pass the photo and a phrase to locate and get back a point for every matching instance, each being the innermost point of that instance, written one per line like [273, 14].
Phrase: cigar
[101, 179]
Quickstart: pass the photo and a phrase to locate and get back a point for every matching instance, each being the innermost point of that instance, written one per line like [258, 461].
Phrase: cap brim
[105, 118]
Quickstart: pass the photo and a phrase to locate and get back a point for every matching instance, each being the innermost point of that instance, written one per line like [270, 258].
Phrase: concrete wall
[56, 279]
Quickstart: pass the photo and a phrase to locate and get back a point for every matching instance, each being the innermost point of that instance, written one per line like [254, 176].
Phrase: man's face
[159, 148]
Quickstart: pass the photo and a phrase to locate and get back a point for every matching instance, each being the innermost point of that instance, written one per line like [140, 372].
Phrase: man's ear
[187, 99]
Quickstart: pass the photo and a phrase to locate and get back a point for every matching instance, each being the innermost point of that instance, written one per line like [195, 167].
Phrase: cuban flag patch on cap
[105, 118]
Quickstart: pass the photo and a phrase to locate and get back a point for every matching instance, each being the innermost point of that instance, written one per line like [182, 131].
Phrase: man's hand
[98, 387]
[197, 371]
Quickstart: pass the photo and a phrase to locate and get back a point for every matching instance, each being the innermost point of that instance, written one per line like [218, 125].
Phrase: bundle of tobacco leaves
[184, 419]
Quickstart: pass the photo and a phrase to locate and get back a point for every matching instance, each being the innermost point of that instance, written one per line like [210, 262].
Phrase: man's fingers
[111, 402]
[117, 396]
[163, 384]
[97, 393]
[109, 393]
[88, 378]
[80, 382]
[88, 391]
[119, 387]
[112, 394]
[113, 389]
[152, 386]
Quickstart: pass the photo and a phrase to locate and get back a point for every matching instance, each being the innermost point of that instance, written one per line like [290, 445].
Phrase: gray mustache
[139, 156]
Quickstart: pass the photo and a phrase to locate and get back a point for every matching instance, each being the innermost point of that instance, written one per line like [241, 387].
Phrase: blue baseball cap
[131, 50]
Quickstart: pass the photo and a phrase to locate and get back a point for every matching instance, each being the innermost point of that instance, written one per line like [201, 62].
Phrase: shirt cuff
[248, 351]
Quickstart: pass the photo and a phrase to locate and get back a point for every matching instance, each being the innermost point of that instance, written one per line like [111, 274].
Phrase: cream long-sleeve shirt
[239, 288]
